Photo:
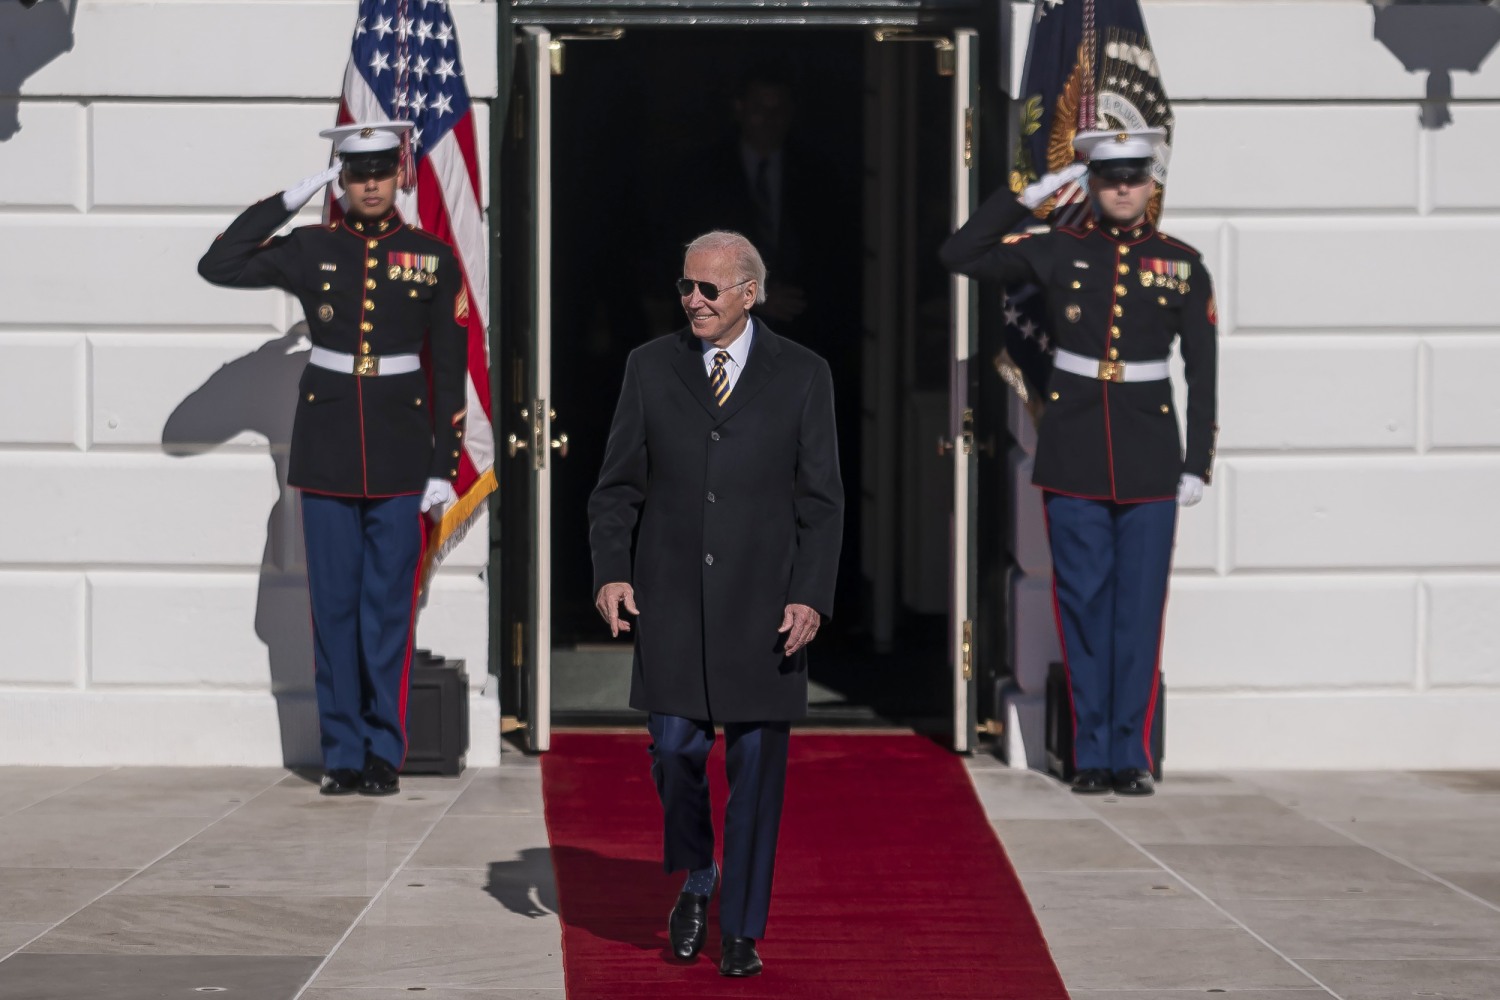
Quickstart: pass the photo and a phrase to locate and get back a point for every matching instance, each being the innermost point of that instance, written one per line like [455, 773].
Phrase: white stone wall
[151, 591]
[1336, 601]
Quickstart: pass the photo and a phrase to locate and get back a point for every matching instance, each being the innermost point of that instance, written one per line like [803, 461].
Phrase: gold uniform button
[1114, 355]
[1119, 309]
[1114, 332]
[1161, 300]
[455, 454]
[370, 262]
[326, 286]
[310, 398]
[419, 400]
[1167, 409]
[1055, 396]
[373, 244]
[412, 292]
[1124, 268]
[369, 304]
[1120, 291]
[367, 326]
[364, 347]
[369, 282]
[1124, 251]
[1077, 284]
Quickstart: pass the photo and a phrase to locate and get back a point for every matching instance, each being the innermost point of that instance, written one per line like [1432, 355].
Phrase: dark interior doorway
[648, 152]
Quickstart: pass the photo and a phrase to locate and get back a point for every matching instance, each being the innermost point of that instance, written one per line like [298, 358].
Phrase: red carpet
[890, 882]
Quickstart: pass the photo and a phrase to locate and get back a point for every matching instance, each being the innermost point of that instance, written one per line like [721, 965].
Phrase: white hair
[747, 261]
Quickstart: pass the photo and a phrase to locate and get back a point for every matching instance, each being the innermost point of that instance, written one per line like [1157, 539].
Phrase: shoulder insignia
[1179, 244]
[461, 306]
[1213, 312]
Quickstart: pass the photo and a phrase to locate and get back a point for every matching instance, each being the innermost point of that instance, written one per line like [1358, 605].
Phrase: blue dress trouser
[1110, 566]
[362, 559]
[755, 756]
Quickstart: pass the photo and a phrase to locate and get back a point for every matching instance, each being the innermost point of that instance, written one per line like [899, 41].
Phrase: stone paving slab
[147, 883]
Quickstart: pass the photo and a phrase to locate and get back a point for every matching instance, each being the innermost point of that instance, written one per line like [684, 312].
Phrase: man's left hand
[1189, 490]
[801, 623]
[439, 495]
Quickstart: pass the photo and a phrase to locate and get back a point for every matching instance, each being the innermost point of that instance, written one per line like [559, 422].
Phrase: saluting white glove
[1189, 490]
[301, 193]
[1046, 186]
[439, 495]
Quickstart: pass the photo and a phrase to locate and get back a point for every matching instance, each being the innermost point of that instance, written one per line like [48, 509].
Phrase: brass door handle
[560, 445]
[514, 445]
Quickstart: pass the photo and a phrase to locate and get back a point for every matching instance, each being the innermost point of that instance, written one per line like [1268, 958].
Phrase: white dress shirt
[739, 353]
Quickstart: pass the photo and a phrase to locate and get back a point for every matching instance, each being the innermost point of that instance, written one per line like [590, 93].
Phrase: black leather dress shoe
[379, 778]
[740, 958]
[1134, 781]
[339, 781]
[687, 927]
[1092, 781]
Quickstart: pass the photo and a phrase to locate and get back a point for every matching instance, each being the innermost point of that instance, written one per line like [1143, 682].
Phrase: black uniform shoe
[379, 778]
[687, 927]
[1133, 781]
[740, 958]
[339, 781]
[1092, 781]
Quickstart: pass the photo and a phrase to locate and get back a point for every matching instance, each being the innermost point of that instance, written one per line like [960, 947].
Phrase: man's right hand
[611, 595]
[301, 193]
[1048, 185]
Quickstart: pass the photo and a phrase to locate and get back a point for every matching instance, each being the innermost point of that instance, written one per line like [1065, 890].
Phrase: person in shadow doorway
[723, 465]
[376, 435]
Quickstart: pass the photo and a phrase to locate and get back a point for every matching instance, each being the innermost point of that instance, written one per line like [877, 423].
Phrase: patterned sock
[701, 882]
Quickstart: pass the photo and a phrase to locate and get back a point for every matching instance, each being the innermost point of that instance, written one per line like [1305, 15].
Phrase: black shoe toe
[339, 781]
[1092, 781]
[379, 778]
[740, 958]
[1133, 781]
[687, 927]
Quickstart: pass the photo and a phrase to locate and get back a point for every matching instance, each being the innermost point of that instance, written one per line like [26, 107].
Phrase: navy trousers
[755, 762]
[362, 559]
[1110, 565]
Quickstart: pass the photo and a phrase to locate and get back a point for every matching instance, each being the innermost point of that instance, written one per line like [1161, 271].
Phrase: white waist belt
[365, 364]
[1110, 371]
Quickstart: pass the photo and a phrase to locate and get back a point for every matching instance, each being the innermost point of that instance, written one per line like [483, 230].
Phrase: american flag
[405, 66]
[1070, 42]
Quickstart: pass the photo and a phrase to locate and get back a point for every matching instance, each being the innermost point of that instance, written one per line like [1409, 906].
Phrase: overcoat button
[711, 498]
[715, 435]
[709, 559]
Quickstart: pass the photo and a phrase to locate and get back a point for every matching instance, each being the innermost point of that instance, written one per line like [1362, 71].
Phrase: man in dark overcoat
[723, 461]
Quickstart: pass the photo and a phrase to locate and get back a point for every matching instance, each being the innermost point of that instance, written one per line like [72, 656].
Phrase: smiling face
[372, 194]
[718, 321]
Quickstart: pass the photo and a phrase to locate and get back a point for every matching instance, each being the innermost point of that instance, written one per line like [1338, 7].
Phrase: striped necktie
[718, 378]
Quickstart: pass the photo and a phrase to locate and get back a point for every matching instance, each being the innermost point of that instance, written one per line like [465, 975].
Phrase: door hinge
[518, 644]
[968, 138]
[968, 649]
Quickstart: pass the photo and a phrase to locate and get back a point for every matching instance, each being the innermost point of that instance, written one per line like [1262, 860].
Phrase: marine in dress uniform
[1109, 455]
[377, 432]
[722, 464]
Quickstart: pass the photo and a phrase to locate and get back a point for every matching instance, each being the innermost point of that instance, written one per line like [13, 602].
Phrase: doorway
[650, 143]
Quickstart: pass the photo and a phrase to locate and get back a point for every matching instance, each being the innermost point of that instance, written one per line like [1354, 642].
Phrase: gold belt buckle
[367, 364]
[1112, 371]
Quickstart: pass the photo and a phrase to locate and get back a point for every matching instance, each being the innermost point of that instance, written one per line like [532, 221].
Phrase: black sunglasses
[708, 289]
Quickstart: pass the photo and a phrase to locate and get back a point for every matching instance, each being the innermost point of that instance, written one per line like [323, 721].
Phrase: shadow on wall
[1438, 37]
[258, 393]
[31, 36]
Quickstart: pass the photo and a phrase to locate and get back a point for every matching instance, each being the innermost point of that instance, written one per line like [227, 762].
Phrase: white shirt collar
[739, 351]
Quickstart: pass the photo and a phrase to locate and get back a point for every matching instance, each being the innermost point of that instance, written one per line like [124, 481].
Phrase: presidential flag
[1089, 64]
[405, 66]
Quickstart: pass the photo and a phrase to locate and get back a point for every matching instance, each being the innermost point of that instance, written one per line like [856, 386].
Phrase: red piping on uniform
[1109, 444]
[411, 635]
[1156, 674]
[1062, 638]
[357, 496]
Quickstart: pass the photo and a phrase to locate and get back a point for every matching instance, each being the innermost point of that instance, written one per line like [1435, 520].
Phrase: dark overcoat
[1115, 295]
[737, 512]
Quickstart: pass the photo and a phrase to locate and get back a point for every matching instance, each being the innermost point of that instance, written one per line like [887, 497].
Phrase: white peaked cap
[366, 137]
[1120, 144]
